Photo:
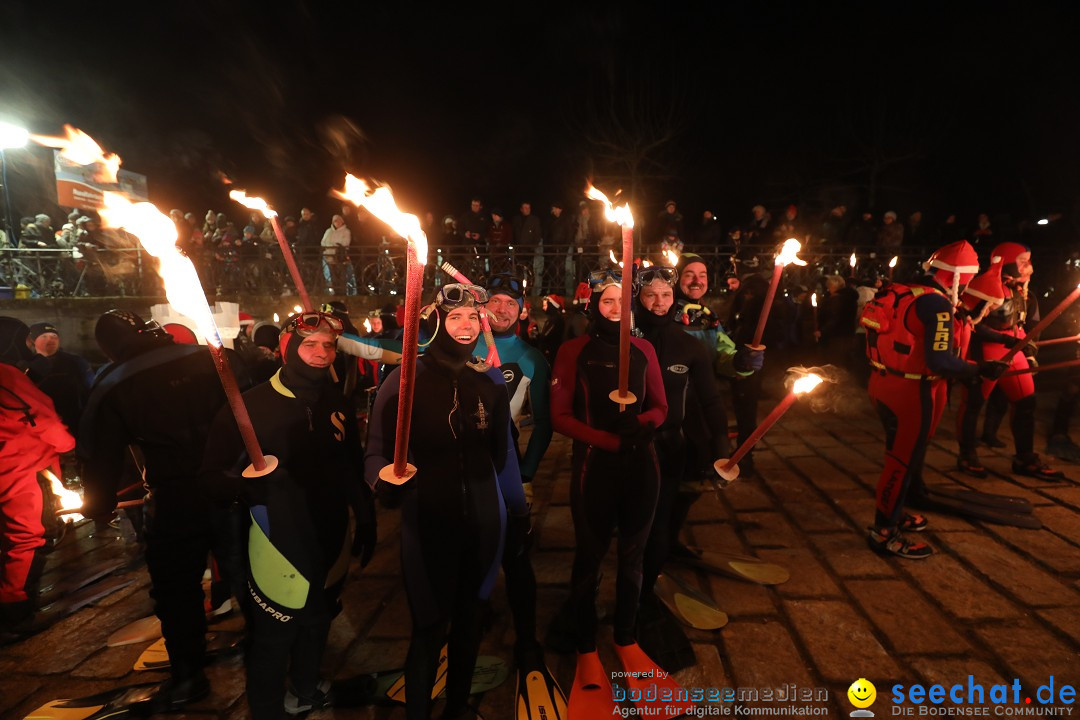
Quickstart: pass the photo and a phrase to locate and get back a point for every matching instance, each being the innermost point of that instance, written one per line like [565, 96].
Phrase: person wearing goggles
[527, 374]
[300, 513]
[454, 508]
[614, 486]
[695, 409]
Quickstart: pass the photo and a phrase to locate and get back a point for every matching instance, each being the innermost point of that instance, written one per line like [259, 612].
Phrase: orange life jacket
[894, 336]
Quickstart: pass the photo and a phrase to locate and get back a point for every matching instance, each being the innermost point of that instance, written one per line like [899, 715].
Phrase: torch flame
[806, 383]
[788, 253]
[813, 299]
[672, 257]
[367, 325]
[253, 203]
[620, 215]
[157, 233]
[380, 203]
[646, 263]
[851, 260]
[69, 499]
[81, 149]
[276, 318]
[892, 263]
[297, 309]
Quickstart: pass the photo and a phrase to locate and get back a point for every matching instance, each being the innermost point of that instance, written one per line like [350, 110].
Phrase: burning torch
[380, 203]
[257, 203]
[625, 219]
[786, 256]
[1047, 319]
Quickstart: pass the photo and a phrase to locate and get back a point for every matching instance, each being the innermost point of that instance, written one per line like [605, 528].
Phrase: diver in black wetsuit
[300, 536]
[454, 508]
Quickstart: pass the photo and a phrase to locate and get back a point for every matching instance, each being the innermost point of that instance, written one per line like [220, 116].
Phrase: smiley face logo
[862, 693]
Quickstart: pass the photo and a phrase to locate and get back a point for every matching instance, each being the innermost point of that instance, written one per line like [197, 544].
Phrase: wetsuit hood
[305, 381]
[447, 351]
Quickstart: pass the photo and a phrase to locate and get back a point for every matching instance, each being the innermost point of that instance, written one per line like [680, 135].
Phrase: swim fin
[1009, 503]
[156, 657]
[691, 606]
[116, 703]
[539, 696]
[591, 698]
[742, 567]
[983, 513]
[651, 689]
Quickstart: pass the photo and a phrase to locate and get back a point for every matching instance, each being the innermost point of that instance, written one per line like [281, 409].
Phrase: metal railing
[366, 270]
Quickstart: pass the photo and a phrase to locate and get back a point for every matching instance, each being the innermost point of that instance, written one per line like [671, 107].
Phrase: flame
[620, 215]
[297, 309]
[813, 299]
[852, 260]
[253, 203]
[892, 263]
[672, 257]
[611, 256]
[806, 383]
[787, 253]
[646, 263]
[380, 203]
[157, 233]
[276, 319]
[367, 325]
[69, 499]
[81, 149]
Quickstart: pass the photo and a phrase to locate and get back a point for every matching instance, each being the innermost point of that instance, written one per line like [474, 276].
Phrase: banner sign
[78, 186]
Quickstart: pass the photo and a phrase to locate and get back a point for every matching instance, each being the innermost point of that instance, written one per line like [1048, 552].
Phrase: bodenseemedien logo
[862, 694]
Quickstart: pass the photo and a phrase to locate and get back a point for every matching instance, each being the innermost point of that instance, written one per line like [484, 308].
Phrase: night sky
[898, 105]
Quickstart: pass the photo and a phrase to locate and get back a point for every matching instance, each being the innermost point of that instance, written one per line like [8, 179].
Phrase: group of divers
[282, 542]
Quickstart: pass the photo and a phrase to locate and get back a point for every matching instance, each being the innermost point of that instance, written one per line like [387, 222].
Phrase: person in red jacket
[912, 350]
[31, 440]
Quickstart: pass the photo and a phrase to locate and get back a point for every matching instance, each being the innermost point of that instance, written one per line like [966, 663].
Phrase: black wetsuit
[615, 478]
[162, 400]
[453, 509]
[300, 518]
[688, 376]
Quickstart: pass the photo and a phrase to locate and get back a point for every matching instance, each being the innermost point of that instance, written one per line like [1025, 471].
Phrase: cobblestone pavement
[995, 602]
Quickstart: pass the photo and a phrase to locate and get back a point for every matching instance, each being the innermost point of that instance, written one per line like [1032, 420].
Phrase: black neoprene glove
[630, 442]
[627, 423]
[748, 360]
[992, 369]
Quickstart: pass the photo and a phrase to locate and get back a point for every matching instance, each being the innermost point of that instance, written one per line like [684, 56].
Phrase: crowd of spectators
[552, 248]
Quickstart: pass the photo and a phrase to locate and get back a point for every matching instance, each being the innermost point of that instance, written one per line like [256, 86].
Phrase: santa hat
[246, 319]
[556, 300]
[954, 260]
[582, 294]
[986, 286]
[1008, 252]
[181, 334]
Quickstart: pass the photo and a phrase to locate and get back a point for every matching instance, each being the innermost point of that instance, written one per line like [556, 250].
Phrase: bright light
[81, 149]
[646, 263]
[787, 253]
[253, 203]
[12, 136]
[276, 319]
[1044, 221]
[892, 263]
[297, 309]
[806, 384]
[380, 203]
[69, 499]
[620, 215]
[813, 299]
[852, 260]
[367, 325]
[672, 257]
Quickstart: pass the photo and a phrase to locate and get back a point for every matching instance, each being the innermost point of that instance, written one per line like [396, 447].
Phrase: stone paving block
[110, 663]
[909, 623]
[850, 460]
[1061, 521]
[716, 536]
[739, 598]
[364, 597]
[560, 491]
[792, 450]
[1046, 548]
[710, 507]
[791, 489]
[1068, 495]
[748, 496]
[385, 562]
[1065, 620]
[227, 686]
[768, 460]
[768, 529]
[557, 529]
[1033, 654]
[809, 578]
[1011, 570]
[838, 639]
[761, 654]
[849, 557]
[14, 690]
[372, 656]
[707, 673]
[393, 621]
[859, 511]
[950, 671]
[816, 517]
[960, 592]
[823, 474]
